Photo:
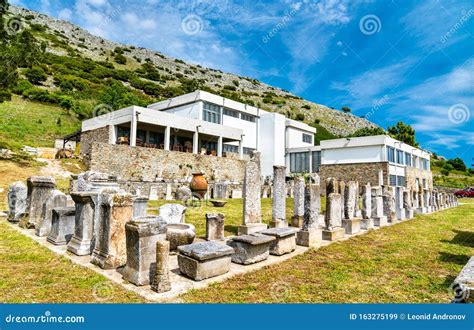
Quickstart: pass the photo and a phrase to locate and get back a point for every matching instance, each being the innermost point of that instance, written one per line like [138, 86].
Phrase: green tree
[119, 96]
[403, 132]
[346, 109]
[36, 75]
[457, 164]
[368, 131]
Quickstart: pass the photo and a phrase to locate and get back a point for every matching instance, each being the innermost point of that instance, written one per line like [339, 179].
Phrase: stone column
[407, 204]
[139, 206]
[241, 148]
[380, 219]
[421, 203]
[39, 189]
[252, 187]
[399, 208]
[350, 223]
[81, 242]
[357, 211]
[115, 210]
[214, 226]
[62, 227]
[196, 141]
[342, 191]
[219, 146]
[388, 204]
[298, 202]
[366, 222]
[311, 234]
[141, 237]
[161, 281]
[17, 201]
[333, 230]
[279, 197]
[167, 139]
[55, 199]
[332, 186]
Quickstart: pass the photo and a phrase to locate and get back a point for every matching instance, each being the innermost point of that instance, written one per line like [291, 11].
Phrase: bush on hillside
[36, 75]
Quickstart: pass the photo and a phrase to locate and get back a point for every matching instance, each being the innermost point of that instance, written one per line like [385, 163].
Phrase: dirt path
[53, 168]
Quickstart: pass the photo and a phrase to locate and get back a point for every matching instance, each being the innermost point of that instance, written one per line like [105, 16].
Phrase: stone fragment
[110, 247]
[172, 213]
[204, 259]
[55, 199]
[81, 242]
[184, 194]
[389, 204]
[285, 240]
[279, 197]
[220, 190]
[161, 280]
[214, 226]
[17, 201]
[366, 222]
[342, 192]
[62, 227]
[141, 237]
[140, 205]
[252, 213]
[463, 285]
[298, 202]
[380, 220]
[250, 249]
[350, 200]
[168, 192]
[236, 193]
[180, 234]
[39, 189]
[333, 221]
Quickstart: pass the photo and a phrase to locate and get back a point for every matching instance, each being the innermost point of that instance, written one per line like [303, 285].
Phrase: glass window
[308, 138]
[316, 161]
[247, 117]
[247, 151]
[391, 154]
[211, 113]
[401, 181]
[299, 162]
[141, 135]
[154, 138]
[399, 157]
[123, 132]
[393, 180]
[424, 183]
[407, 159]
[231, 113]
[415, 162]
[230, 148]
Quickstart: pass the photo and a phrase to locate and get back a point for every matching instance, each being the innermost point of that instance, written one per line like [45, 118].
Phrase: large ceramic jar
[199, 184]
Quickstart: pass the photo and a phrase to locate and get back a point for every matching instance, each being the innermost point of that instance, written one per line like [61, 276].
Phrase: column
[133, 130]
[112, 134]
[196, 141]
[241, 147]
[310, 159]
[219, 147]
[167, 137]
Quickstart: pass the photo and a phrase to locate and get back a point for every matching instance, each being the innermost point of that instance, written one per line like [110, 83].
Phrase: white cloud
[65, 14]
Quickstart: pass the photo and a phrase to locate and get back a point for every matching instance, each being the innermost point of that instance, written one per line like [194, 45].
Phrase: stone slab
[202, 251]
[380, 221]
[251, 228]
[250, 249]
[334, 234]
[367, 224]
[351, 226]
[278, 224]
[201, 270]
[279, 232]
[309, 238]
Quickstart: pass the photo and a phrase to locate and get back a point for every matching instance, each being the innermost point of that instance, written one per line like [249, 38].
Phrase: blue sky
[387, 60]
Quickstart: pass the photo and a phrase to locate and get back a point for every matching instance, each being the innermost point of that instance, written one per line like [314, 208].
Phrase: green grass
[232, 211]
[35, 124]
[322, 134]
[412, 262]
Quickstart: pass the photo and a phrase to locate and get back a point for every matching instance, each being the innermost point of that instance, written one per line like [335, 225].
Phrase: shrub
[36, 75]
[120, 59]
[5, 96]
[22, 86]
[306, 106]
[346, 109]
[317, 121]
[300, 116]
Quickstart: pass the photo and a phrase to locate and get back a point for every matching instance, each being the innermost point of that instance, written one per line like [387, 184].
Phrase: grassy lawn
[415, 261]
[232, 211]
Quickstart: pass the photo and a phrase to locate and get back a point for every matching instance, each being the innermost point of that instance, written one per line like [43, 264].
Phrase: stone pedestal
[279, 198]
[251, 228]
[81, 242]
[285, 240]
[298, 201]
[252, 213]
[351, 226]
[334, 234]
[214, 226]
[55, 199]
[380, 221]
[39, 189]
[161, 281]
[17, 201]
[110, 249]
[250, 249]
[367, 224]
[401, 214]
[62, 227]
[139, 206]
[204, 259]
[309, 238]
[421, 210]
[278, 224]
[297, 221]
[141, 237]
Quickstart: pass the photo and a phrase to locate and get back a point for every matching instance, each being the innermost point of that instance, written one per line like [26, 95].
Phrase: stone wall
[89, 137]
[412, 174]
[139, 164]
[361, 172]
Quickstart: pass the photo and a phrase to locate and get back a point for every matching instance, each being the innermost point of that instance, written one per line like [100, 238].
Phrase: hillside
[79, 71]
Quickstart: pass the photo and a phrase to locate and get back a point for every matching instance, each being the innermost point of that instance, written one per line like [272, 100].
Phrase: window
[424, 183]
[123, 131]
[299, 162]
[211, 113]
[399, 157]
[391, 154]
[425, 164]
[154, 138]
[407, 159]
[415, 162]
[230, 148]
[247, 117]
[393, 180]
[401, 181]
[316, 161]
[247, 151]
[141, 135]
[308, 138]
[231, 113]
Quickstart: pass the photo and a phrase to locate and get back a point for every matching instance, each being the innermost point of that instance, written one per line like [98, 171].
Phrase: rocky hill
[155, 76]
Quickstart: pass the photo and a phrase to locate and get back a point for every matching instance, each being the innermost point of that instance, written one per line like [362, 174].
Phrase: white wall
[295, 138]
[248, 128]
[192, 110]
[272, 141]
[349, 155]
